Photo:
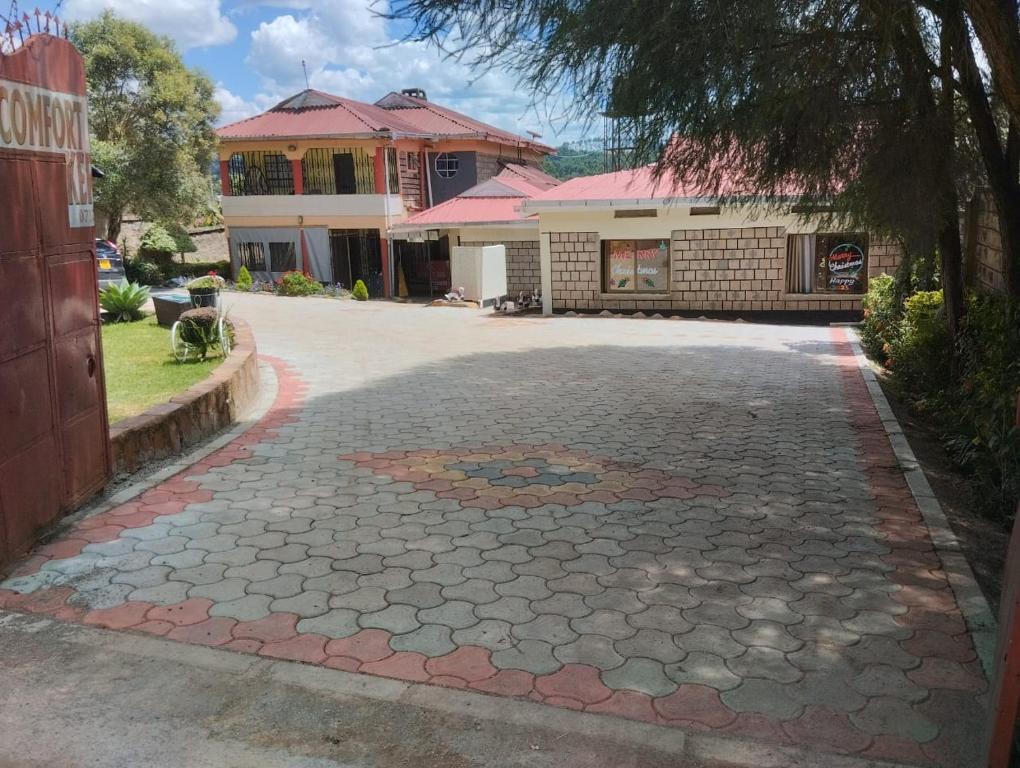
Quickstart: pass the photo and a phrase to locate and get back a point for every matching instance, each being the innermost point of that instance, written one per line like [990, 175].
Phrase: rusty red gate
[54, 437]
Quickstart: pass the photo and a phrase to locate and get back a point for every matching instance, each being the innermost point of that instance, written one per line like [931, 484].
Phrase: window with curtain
[635, 266]
[252, 255]
[282, 257]
[827, 262]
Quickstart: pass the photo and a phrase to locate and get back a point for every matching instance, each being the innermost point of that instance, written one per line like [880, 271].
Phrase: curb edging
[974, 607]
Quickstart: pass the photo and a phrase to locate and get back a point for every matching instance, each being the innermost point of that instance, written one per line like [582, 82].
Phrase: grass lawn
[141, 371]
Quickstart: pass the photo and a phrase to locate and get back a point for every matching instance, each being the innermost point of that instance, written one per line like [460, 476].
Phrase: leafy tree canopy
[151, 119]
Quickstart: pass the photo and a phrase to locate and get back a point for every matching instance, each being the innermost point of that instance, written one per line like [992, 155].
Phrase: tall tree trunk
[113, 223]
[1001, 164]
[995, 22]
[950, 245]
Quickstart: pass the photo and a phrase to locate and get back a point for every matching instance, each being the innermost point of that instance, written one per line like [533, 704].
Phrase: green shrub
[244, 281]
[360, 292]
[297, 284]
[981, 419]
[157, 243]
[196, 269]
[919, 353]
[123, 301]
[182, 240]
[143, 272]
[882, 313]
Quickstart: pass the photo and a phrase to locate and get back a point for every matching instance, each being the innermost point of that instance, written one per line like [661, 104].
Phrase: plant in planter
[123, 301]
[360, 292]
[205, 290]
[202, 329]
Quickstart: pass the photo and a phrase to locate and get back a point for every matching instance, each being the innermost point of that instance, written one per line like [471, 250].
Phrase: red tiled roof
[314, 113]
[492, 202]
[466, 210]
[640, 184]
[533, 176]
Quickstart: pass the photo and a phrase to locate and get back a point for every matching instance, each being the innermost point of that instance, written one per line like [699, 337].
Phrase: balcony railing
[391, 206]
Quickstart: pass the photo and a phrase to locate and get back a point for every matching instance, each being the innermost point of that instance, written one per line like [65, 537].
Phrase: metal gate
[356, 254]
[54, 438]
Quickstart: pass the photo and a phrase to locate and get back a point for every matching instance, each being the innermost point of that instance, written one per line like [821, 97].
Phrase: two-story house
[317, 182]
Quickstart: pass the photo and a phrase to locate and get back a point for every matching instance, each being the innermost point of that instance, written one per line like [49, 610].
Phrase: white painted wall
[314, 205]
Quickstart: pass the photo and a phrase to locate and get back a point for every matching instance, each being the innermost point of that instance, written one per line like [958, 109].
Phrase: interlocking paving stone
[701, 551]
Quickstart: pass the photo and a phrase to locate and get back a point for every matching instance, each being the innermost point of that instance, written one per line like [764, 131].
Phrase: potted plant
[205, 290]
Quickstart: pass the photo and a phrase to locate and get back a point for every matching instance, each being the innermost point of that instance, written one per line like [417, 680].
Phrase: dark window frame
[289, 256]
[245, 249]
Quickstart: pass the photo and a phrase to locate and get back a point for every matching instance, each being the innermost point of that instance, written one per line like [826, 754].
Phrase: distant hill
[571, 161]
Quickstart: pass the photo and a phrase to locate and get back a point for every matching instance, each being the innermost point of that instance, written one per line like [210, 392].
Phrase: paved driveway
[690, 523]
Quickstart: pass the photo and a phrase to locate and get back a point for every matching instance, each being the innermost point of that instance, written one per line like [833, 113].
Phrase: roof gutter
[512, 224]
[551, 206]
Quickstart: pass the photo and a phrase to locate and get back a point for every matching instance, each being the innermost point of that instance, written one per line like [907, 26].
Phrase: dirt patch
[984, 542]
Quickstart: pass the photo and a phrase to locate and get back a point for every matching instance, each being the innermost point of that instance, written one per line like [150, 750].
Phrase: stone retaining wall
[204, 409]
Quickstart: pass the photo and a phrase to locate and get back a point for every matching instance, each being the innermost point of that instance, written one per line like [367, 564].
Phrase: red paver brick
[469, 663]
[367, 645]
[190, 611]
[630, 704]
[695, 704]
[943, 673]
[758, 728]
[214, 631]
[308, 648]
[120, 616]
[167, 507]
[34, 563]
[243, 646]
[342, 662]
[564, 701]
[917, 618]
[128, 508]
[99, 535]
[403, 665]
[939, 645]
[896, 749]
[824, 728]
[574, 681]
[65, 548]
[271, 629]
[154, 627]
[507, 682]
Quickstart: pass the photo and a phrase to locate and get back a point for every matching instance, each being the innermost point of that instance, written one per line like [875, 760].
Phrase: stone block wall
[987, 267]
[711, 269]
[523, 265]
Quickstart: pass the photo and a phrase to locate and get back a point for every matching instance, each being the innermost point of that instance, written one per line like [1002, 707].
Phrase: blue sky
[252, 50]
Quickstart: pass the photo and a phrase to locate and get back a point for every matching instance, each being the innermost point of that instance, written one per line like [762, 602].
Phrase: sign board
[842, 263]
[34, 119]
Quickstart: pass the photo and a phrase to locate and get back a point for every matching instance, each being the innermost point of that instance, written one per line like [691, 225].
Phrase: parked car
[110, 264]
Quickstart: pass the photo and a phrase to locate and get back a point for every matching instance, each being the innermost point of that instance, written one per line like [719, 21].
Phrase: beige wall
[737, 267]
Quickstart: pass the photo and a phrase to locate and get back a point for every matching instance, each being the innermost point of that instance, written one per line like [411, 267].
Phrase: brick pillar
[384, 258]
[379, 166]
[299, 179]
[225, 177]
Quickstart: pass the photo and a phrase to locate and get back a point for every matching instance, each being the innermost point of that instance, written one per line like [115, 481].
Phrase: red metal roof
[314, 113]
[492, 202]
[440, 121]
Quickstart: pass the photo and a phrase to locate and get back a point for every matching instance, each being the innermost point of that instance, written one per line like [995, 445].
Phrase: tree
[853, 103]
[151, 120]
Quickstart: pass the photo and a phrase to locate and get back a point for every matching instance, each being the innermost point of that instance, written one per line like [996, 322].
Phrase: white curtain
[800, 264]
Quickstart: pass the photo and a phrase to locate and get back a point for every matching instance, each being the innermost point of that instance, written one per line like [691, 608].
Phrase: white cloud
[191, 23]
[232, 106]
[350, 52]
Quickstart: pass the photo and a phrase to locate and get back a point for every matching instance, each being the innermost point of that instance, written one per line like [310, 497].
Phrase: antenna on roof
[533, 134]
[305, 68]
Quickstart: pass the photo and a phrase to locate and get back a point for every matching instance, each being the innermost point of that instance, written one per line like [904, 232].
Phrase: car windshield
[106, 250]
